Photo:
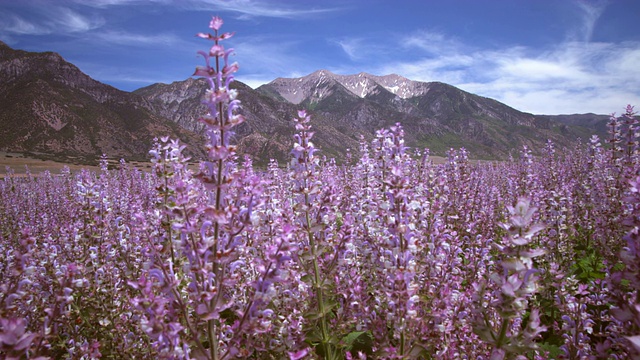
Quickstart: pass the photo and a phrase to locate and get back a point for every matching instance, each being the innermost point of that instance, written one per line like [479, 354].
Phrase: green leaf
[359, 341]
[352, 336]
[619, 266]
[313, 337]
[554, 350]
[328, 305]
[312, 316]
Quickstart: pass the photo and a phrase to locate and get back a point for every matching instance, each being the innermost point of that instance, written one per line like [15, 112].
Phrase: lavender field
[387, 257]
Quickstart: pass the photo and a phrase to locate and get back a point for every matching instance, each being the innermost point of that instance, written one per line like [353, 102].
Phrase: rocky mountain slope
[268, 128]
[49, 106]
[435, 115]
[594, 122]
[344, 107]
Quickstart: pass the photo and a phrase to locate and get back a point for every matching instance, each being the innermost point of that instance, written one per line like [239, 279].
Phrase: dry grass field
[20, 162]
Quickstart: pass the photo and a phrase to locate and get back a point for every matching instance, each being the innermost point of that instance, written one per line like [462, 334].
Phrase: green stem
[503, 333]
[317, 282]
[168, 219]
[402, 341]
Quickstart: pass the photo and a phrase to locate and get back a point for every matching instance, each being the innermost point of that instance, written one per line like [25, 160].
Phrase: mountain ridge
[51, 106]
[361, 84]
[437, 115]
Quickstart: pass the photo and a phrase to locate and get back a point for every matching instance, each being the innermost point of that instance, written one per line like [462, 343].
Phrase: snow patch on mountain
[317, 85]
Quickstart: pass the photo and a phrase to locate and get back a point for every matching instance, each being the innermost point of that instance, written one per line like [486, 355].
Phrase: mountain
[344, 107]
[592, 122]
[268, 128]
[49, 106]
[434, 114]
[315, 86]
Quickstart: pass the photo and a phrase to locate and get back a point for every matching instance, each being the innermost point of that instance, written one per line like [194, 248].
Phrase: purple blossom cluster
[387, 257]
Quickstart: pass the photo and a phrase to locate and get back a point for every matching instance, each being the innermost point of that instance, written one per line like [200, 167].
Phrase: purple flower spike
[215, 23]
[13, 335]
[298, 354]
[387, 255]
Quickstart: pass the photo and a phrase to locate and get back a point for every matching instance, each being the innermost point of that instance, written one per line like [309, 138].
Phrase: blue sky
[540, 56]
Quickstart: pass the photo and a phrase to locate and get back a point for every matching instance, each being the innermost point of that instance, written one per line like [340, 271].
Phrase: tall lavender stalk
[206, 294]
[221, 102]
[307, 189]
[499, 311]
[391, 258]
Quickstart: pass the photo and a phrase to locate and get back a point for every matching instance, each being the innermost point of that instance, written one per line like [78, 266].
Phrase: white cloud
[360, 49]
[449, 69]
[352, 47]
[434, 43]
[534, 70]
[591, 12]
[625, 64]
[17, 25]
[575, 76]
[71, 21]
[561, 101]
[108, 3]
[50, 20]
[125, 38]
[253, 8]
[247, 8]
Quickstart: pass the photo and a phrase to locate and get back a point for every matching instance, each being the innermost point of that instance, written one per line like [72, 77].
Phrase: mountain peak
[321, 72]
[296, 90]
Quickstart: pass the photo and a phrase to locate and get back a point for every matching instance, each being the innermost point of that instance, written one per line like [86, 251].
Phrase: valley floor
[19, 163]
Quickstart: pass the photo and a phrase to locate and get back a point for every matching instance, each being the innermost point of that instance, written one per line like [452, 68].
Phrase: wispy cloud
[17, 25]
[361, 49]
[246, 8]
[72, 21]
[432, 56]
[577, 77]
[49, 20]
[132, 39]
[432, 42]
[569, 77]
[107, 3]
[351, 47]
[255, 8]
[452, 69]
[591, 12]
[575, 74]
